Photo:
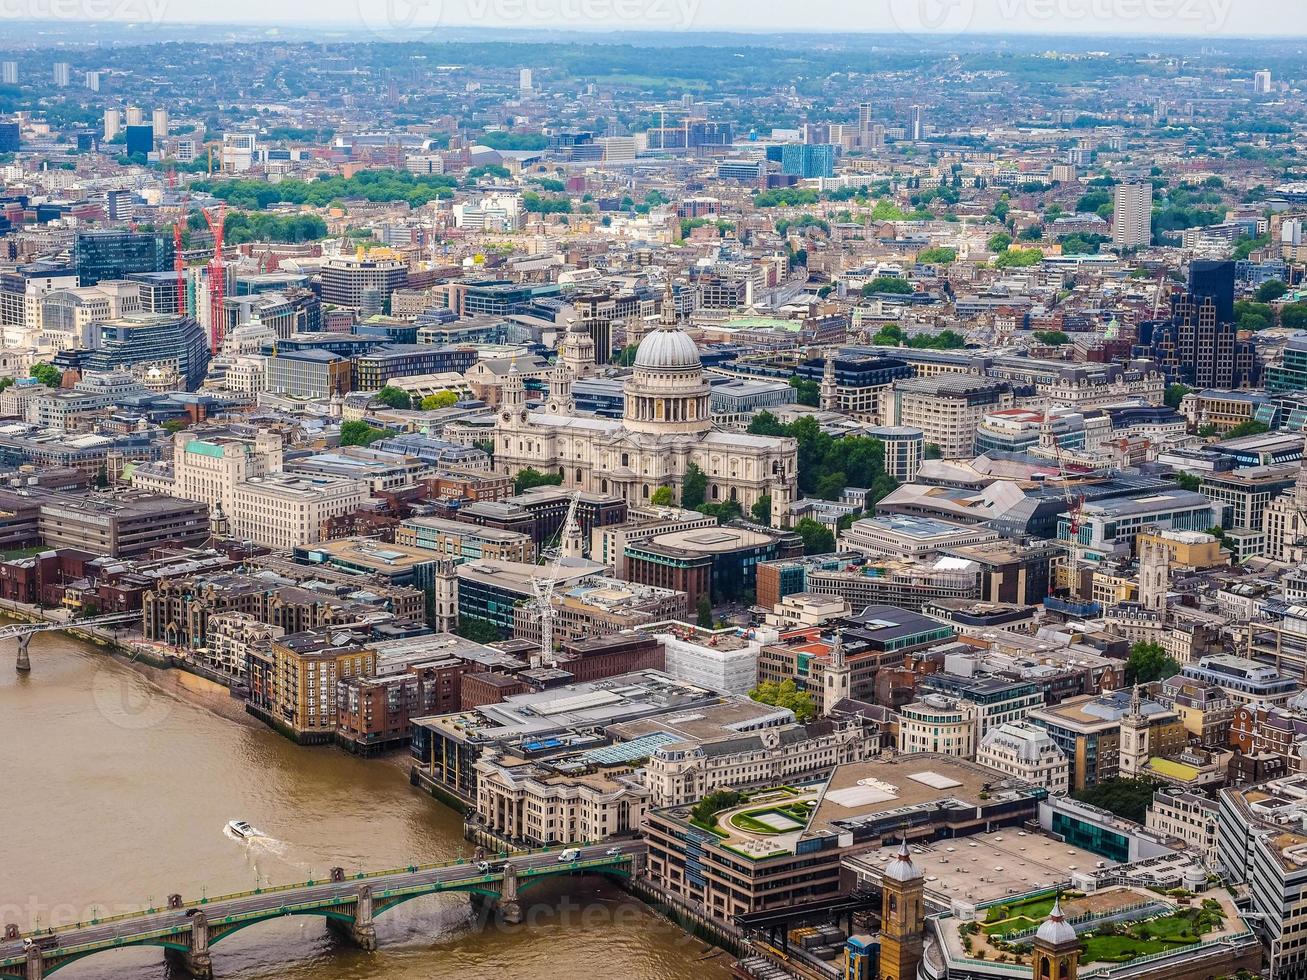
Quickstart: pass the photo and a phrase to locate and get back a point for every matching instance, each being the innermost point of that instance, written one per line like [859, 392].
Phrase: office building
[159, 123]
[1262, 82]
[1026, 753]
[1261, 844]
[1132, 219]
[62, 74]
[353, 281]
[147, 339]
[525, 80]
[113, 253]
[807, 160]
[8, 73]
[10, 137]
[140, 140]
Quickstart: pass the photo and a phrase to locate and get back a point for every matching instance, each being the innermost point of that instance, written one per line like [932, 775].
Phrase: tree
[1054, 338]
[1128, 798]
[817, 537]
[529, 478]
[786, 694]
[761, 509]
[1019, 258]
[808, 392]
[704, 617]
[767, 424]
[393, 397]
[938, 256]
[999, 242]
[478, 630]
[173, 426]
[1149, 662]
[1175, 394]
[441, 399]
[888, 284]
[694, 487]
[933, 451]
[1294, 316]
[703, 812]
[1188, 481]
[1250, 427]
[1270, 291]
[663, 497]
[627, 357]
[47, 374]
[359, 433]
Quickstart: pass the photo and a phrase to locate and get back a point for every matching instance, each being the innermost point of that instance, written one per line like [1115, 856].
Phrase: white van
[571, 854]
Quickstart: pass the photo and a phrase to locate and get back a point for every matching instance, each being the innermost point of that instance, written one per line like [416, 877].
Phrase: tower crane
[543, 603]
[217, 276]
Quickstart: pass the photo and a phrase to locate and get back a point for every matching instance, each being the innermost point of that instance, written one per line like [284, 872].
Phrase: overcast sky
[942, 18]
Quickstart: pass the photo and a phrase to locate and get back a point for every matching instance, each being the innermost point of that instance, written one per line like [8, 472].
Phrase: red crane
[179, 265]
[217, 277]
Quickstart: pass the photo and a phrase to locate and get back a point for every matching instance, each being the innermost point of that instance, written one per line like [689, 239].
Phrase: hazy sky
[943, 18]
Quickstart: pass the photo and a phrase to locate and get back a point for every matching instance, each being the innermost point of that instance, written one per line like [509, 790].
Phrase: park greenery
[888, 284]
[47, 374]
[530, 478]
[1019, 258]
[1149, 662]
[828, 464]
[380, 186]
[891, 335]
[358, 433]
[818, 539]
[786, 694]
[1128, 798]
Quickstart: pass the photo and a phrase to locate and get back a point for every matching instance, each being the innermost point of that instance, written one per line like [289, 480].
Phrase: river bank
[131, 774]
[141, 700]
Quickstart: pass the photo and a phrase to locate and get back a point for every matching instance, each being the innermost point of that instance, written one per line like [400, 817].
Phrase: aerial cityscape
[653, 489]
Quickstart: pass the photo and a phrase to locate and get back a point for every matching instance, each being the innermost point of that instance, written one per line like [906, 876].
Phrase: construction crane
[217, 276]
[1074, 504]
[543, 603]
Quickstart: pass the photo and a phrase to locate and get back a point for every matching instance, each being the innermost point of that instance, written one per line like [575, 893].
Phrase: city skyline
[935, 19]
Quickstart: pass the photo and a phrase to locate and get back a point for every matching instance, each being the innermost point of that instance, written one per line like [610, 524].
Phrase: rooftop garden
[1008, 928]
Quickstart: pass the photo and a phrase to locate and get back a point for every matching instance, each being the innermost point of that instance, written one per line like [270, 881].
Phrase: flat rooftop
[988, 867]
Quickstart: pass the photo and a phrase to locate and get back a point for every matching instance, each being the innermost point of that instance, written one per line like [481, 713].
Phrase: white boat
[241, 829]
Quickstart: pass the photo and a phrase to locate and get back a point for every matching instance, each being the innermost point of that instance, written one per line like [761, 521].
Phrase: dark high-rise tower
[1213, 281]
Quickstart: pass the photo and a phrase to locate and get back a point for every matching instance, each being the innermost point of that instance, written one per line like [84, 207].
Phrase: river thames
[121, 783]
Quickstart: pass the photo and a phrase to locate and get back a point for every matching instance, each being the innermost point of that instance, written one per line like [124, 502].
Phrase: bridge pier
[509, 906]
[362, 931]
[197, 961]
[35, 968]
[24, 664]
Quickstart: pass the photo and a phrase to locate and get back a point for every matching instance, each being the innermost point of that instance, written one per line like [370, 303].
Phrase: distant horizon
[929, 21]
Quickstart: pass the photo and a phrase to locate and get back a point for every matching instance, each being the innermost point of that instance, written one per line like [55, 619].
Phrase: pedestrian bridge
[187, 931]
[23, 632]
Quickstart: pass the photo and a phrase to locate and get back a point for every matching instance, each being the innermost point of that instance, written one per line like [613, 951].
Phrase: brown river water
[120, 781]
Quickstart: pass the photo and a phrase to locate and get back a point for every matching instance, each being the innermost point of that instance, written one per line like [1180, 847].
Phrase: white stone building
[1026, 752]
[936, 723]
[667, 426]
[683, 772]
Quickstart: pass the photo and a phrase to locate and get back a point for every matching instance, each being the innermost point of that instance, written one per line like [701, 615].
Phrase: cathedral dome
[668, 349]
